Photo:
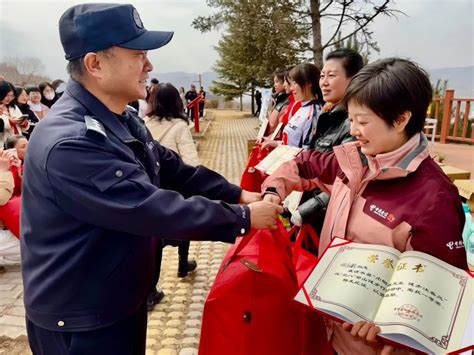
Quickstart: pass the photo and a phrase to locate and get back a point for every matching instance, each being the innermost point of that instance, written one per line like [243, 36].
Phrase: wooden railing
[453, 117]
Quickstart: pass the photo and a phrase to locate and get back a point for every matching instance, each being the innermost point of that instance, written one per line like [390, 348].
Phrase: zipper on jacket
[365, 181]
[337, 215]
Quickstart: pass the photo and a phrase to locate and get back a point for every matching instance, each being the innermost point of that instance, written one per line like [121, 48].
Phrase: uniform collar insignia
[93, 124]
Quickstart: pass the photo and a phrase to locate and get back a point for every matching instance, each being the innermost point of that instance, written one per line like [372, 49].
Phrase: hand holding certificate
[417, 300]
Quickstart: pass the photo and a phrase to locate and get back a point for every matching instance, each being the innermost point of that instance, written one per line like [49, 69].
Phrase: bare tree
[22, 70]
[9, 73]
[349, 17]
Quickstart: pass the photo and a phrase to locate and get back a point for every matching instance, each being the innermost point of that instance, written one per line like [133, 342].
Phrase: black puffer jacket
[330, 129]
[281, 100]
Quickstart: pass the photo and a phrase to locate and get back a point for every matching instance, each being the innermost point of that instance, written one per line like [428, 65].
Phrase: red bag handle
[305, 230]
[280, 235]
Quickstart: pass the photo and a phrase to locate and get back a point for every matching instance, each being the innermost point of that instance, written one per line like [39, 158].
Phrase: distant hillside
[459, 79]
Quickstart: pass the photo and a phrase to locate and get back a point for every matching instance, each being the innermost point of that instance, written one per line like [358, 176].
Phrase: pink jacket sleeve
[306, 171]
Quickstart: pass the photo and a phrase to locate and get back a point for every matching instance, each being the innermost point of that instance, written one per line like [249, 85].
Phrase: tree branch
[325, 8]
[344, 6]
[368, 20]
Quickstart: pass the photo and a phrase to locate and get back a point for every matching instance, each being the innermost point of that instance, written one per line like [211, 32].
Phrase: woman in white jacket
[169, 125]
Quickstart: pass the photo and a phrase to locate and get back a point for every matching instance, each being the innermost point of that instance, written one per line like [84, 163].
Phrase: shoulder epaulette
[92, 124]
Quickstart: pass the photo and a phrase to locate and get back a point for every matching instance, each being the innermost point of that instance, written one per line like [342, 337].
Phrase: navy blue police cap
[94, 27]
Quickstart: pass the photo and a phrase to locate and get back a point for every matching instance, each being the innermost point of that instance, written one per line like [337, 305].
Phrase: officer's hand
[272, 198]
[247, 197]
[263, 215]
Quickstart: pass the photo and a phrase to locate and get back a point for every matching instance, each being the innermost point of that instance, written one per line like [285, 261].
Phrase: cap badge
[136, 18]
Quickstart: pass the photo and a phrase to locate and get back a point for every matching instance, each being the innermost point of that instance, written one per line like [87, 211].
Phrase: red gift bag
[303, 260]
[10, 215]
[250, 308]
[252, 178]
[313, 339]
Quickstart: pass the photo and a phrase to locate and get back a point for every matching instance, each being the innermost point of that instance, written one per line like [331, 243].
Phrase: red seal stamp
[408, 311]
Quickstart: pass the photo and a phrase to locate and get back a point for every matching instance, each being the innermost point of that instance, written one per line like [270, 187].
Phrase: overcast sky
[436, 33]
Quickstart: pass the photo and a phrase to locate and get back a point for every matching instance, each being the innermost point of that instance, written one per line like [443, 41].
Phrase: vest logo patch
[458, 244]
[381, 213]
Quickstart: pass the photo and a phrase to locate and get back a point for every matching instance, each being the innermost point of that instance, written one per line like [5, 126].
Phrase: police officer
[99, 193]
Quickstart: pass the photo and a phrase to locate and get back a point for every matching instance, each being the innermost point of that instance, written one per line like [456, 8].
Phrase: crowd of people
[21, 108]
[361, 131]
[308, 113]
[143, 106]
[86, 280]
[163, 111]
[311, 110]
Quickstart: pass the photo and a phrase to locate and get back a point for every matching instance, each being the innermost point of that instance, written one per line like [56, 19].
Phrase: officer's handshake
[92, 229]
[263, 214]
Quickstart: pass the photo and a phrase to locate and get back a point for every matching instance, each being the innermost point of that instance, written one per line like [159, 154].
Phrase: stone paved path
[174, 325]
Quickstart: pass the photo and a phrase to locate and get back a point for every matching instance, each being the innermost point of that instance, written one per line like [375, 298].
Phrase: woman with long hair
[169, 125]
[21, 100]
[12, 119]
[48, 95]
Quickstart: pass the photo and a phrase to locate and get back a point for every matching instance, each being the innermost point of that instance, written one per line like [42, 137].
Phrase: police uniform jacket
[98, 195]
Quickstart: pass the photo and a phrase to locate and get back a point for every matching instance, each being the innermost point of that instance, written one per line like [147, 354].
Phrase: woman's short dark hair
[166, 103]
[19, 90]
[307, 74]
[32, 88]
[280, 75]
[390, 87]
[352, 61]
[55, 83]
[43, 85]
